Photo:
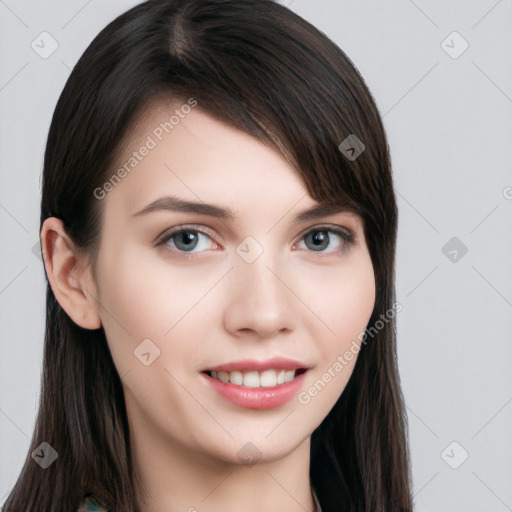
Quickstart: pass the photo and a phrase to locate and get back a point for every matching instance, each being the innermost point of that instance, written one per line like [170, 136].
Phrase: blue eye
[186, 239]
[319, 239]
[190, 241]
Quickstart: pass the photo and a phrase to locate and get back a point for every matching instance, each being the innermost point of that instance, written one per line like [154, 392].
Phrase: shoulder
[89, 504]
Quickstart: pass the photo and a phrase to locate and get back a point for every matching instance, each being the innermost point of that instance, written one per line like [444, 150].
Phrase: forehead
[186, 148]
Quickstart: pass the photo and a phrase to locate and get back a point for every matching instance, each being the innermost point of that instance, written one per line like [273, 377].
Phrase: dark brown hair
[259, 67]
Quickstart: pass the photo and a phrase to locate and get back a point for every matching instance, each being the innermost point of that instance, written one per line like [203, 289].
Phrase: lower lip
[257, 398]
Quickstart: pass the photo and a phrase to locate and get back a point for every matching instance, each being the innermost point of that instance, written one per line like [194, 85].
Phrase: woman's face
[247, 287]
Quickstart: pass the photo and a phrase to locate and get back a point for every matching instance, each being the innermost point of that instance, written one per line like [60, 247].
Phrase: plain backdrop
[441, 75]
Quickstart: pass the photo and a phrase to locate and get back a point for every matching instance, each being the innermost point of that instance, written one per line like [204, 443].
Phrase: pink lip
[257, 398]
[276, 363]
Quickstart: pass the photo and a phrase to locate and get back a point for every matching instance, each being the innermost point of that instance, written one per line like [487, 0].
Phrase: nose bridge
[260, 280]
[258, 298]
[253, 261]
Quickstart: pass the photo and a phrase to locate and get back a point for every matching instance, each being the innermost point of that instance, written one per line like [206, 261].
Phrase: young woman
[218, 226]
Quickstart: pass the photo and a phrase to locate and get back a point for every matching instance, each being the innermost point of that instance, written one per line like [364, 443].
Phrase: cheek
[345, 307]
[143, 300]
[356, 301]
[343, 299]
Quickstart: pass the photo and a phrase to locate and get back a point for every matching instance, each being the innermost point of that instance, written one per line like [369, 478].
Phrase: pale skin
[291, 301]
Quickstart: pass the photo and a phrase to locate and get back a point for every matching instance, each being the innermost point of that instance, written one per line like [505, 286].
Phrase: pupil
[187, 238]
[320, 239]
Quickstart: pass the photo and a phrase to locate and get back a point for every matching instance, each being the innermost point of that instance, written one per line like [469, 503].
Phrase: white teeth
[268, 378]
[223, 376]
[254, 379]
[251, 380]
[289, 375]
[236, 378]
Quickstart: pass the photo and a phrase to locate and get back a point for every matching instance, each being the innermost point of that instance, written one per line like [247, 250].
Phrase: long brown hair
[259, 67]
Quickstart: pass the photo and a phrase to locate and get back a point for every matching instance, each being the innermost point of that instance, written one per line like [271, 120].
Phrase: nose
[259, 300]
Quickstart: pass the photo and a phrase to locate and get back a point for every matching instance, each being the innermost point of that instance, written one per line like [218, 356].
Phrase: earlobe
[69, 275]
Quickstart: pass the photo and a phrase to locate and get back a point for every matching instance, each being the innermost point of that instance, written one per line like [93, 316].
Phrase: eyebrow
[173, 203]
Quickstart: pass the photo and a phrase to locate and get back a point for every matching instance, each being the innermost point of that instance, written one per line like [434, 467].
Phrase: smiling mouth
[256, 379]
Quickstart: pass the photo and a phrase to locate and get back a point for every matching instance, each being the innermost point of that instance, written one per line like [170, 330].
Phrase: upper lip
[276, 363]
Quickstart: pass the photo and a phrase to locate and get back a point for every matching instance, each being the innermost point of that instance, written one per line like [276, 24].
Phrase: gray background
[448, 119]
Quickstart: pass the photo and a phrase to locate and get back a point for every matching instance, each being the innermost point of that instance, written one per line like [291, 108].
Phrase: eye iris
[320, 239]
[188, 238]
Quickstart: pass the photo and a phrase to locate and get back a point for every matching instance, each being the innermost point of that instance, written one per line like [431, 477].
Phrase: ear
[69, 275]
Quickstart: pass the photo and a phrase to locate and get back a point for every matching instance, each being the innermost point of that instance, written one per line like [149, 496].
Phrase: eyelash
[347, 238]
